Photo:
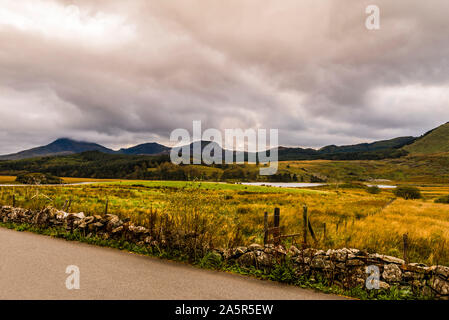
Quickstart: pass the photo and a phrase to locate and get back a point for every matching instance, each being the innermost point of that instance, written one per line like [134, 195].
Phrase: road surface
[34, 267]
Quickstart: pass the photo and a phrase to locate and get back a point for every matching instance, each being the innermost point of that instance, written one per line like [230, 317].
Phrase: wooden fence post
[324, 231]
[106, 207]
[265, 228]
[65, 204]
[13, 200]
[276, 233]
[312, 233]
[305, 223]
[405, 240]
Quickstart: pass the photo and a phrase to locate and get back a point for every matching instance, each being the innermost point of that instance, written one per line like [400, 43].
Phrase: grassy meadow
[232, 214]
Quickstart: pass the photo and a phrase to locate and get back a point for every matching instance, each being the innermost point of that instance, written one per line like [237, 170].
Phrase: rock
[79, 215]
[416, 267]
[113, 222]
[265, 260]
[294, 251]
[61, 215]
[147, 240]
[338, 255]
[440, 286]
[317, 263]
[88, 220]
[442, 271]
[354, 262]
[247, 260]
[354, 276]
[320, 262]
[117, 230]
[97, 225]
[356, 252]
[138, 229]
[228, 254]
[387, 259]
[299, 259]
[383, 285]
[75, 216]
[309, 252]
[240, 250]
[280, 250]
[255, 246]
[392, 273]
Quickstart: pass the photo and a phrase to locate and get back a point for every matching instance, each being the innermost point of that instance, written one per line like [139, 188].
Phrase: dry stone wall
[344, 267]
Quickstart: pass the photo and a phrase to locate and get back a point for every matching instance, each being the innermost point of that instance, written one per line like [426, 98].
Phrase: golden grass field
[232, 214]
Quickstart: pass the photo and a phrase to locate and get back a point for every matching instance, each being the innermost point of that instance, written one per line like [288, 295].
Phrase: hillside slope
[61, 146]
[151, 148]
[434, 141]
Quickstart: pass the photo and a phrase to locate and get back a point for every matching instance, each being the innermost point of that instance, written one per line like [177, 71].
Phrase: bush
[352, 185]
[407, 192]
[373, 190]
[38, 178]
[443, 199]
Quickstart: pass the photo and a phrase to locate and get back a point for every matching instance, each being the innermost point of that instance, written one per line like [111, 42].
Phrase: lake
[284, 184]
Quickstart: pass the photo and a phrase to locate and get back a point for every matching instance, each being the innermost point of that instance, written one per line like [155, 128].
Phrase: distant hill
[364, 151]
[65, 146]
[395, 143]
[151, 148]
[434, 141]
[58, 147]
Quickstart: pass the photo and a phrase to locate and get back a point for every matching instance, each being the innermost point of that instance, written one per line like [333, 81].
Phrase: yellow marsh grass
[7, 179]
[353, 217]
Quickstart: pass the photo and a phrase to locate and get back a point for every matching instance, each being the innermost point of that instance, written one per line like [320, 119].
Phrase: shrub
[407, 192]
[443, 199]
[38, 178]
[352, 185]
[373, 190]
[212, 260]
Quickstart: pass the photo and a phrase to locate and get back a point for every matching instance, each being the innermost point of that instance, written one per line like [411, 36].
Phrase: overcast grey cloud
[126, 72]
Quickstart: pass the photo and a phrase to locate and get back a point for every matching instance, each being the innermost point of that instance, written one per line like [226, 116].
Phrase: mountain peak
[61, 146]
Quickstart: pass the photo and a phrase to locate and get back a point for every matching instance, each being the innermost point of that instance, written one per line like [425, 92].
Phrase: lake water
[382, 186]
[284, 184]
[303, 185]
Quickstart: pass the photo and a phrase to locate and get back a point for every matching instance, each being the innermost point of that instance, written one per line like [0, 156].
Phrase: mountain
[363, 151]
[58, 147]
[152, 148]
[434, 141]
[395, 143]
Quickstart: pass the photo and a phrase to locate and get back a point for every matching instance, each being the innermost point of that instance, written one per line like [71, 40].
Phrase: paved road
[33, 267]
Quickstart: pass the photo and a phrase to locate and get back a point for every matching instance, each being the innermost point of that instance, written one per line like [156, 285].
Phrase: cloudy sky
[125, 72]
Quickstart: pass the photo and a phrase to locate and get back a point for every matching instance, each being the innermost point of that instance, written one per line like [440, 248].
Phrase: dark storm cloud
[122, 73]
